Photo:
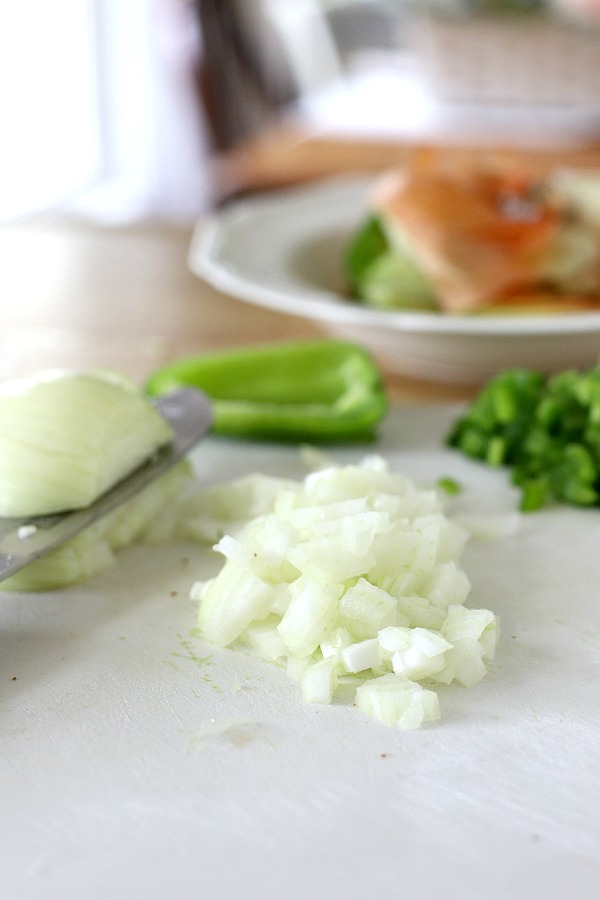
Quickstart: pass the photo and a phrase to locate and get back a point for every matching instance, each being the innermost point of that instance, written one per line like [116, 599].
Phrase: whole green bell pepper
[316, 390]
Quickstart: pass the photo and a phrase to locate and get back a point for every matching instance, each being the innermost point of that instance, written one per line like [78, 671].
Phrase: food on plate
[477, 238]
[546, 429]
[319, 390]
[66, 438]
[348, 579]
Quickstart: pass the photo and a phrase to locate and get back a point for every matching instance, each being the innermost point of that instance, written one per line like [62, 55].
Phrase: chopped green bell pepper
[316, 390]
[546, 429]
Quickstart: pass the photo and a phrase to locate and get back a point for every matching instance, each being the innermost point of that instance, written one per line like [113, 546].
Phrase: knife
[23, 540]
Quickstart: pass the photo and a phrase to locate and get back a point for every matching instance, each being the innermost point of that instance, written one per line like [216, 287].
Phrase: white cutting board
[138, 762]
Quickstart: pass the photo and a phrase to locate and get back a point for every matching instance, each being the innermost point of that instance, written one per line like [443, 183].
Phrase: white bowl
[284, 251]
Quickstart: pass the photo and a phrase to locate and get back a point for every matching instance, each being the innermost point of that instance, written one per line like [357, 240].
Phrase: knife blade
[23, 540]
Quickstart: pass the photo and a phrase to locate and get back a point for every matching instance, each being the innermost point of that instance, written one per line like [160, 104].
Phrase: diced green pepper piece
[574, 476]
[496, 451]
[319, 390]
[534, 495]
[449, 485]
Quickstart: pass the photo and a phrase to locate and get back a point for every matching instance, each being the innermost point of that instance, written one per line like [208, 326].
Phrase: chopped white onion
[266, 641]
[310, 616]
[229, 604]
[366, 609]
[361, 655]
[351, 576]
[398, 701]
[319, 681]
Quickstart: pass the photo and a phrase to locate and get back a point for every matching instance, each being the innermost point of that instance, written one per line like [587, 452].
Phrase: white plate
[284, 251]
[139, 763]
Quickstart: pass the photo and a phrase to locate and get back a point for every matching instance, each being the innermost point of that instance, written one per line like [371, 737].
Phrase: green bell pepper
[316, 390]
[546, 429]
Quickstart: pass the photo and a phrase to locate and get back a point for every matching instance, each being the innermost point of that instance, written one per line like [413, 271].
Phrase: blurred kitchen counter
[283, 156]
[382, 109]
[76, 295]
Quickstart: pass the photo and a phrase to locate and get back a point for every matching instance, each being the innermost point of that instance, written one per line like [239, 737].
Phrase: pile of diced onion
[349, 577]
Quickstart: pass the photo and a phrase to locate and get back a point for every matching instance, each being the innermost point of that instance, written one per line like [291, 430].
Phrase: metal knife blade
[23, 540]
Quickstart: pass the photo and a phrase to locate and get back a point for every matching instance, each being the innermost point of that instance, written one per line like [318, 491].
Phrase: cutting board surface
[137, 761]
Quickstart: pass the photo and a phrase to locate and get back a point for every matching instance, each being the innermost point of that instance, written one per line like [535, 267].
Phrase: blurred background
[124, 110]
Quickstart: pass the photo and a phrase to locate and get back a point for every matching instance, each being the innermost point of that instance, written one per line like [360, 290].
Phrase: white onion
[398, 702]
[319, 681]
[66, 437]
[352, 575]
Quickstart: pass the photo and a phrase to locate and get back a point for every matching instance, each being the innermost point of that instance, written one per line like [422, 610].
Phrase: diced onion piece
[324, 559]
[471, 624]
[264, 544]
[311, 615]
[394, 639]
[447, 585]
[321, 518]
[319, 681]
[266, 641]
[429, 642]
[415, 664]
[366, 608]
[230, 548]
[398, 701]
[416, 653]
[335, 642]
[472, 633]
[210, 512]
[418, 611]
[464, 663]
[230, 603]
[361, 655]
